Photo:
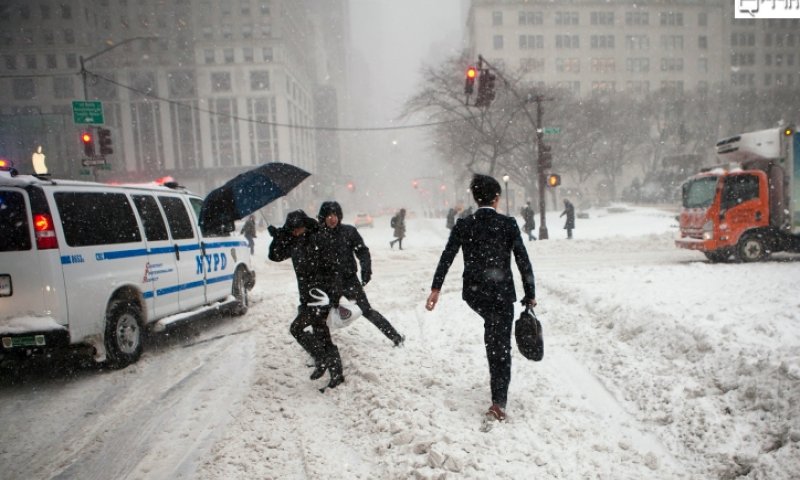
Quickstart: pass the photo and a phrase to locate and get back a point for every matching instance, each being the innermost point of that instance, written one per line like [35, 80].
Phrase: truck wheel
[717, 256]
[751, 248]
[240, 292]
[123, 333]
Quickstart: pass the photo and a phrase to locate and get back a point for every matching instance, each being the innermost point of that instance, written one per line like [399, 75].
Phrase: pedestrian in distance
[398, 223]
[249, 232]
[451, 218]
[488, 239]
[345, 245]
[569, 211]
[299, 240]
[529, 221]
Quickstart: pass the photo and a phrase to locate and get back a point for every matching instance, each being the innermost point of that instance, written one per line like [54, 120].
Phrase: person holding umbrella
[346, 245]
[298, 240]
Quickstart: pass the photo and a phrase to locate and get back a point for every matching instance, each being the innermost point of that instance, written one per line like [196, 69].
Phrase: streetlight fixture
[505, 180]
[101, 52]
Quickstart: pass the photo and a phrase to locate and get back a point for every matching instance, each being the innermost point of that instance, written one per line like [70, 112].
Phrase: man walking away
[297, 240]
[529, 221]
[569, 211]
[249, 232]
[488, 239]
[345, 245]
[398, 222]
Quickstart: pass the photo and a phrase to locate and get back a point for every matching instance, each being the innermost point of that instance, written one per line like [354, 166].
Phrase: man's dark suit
[488, 240]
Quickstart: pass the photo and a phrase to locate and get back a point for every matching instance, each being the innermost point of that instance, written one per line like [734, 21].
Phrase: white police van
[85, 263]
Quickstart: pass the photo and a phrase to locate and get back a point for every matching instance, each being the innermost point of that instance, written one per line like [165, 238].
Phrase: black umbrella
[246, 193]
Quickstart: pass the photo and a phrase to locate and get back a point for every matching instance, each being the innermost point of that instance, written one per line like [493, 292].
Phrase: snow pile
[657, 365]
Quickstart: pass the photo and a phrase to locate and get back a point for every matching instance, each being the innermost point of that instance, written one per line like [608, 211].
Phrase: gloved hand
[365, 277]
[273, 230]
[526, 301]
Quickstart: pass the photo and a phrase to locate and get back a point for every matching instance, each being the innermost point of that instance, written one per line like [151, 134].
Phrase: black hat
[329, 207]
[297, 219]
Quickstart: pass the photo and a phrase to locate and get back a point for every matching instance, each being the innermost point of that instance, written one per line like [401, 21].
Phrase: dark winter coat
[488, 240]
[345, 245]
[399, 225]
[311, 262]
[569, 211]
[528, 218]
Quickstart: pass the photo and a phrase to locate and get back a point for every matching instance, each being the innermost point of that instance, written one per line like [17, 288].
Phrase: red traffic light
[86, 138]
[351, 186]
[472, 72]
[415, 184]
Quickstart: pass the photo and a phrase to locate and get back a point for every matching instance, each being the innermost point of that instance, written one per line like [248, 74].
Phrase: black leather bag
[528, 332]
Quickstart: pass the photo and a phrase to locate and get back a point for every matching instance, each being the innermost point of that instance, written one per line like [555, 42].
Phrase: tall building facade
[196, 89]
[592, 46]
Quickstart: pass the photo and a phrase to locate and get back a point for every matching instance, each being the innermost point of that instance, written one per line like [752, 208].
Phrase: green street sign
[87, 113]
[551, 130]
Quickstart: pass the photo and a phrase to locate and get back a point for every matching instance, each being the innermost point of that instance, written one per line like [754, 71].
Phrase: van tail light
[45, 231]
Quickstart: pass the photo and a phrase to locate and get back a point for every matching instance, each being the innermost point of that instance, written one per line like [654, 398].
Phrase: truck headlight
[708, 230]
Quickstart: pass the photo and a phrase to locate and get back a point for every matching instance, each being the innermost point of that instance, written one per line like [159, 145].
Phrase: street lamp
[505, 180]
[101, 52]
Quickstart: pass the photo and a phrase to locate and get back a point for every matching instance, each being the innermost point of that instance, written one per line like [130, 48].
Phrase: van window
[13, 222]
[219, 231]
[177, 217]
[738, 189]
[154, 228]
[92, 218]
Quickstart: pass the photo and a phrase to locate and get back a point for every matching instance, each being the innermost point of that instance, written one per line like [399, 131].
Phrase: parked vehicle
[363, 220]
[750, 207]
[89, 264]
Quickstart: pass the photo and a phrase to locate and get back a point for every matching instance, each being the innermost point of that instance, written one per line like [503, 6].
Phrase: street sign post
[87, 112]
[90, 162]
[551, 130]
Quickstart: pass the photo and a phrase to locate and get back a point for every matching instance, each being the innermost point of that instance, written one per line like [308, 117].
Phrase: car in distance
[363, 220]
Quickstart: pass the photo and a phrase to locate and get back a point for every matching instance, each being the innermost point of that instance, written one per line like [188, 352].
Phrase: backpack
[393, 222]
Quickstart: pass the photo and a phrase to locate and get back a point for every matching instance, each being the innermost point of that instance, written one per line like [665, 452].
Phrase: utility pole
[542, 165]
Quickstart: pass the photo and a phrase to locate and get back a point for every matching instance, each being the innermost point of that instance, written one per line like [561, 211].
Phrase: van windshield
[699, 193]
[16, 234]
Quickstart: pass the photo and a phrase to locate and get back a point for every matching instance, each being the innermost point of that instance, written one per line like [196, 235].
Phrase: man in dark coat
[346, 245]
[528, 220]
[569, 211]
[299, 240]
[398, 223]
[488, 239]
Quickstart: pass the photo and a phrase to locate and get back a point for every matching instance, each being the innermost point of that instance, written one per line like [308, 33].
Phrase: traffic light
[88, 144]
[469, 83]
[104, 140]
[553, 180]
[485, 88]
[545, 157]
[351, 186]
[415, 184]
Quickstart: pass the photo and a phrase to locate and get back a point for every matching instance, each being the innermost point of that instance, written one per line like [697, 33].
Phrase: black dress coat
[488, 240]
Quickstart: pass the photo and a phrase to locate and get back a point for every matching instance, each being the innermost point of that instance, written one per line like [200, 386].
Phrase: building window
[702, 19]
[10, 62]
[637, 42]
[531, 65]
[220, 82]
[637, 65]
[767, 59]
[24, 88]
[72, 60]
[497, 42]
[602, 18]
[671, 64]
[743, 39]
[259, 80]
[208, 32]
[675, 86]
[568, 65]
[566, 18]
[567, 41]
[49, 37]
[181, 84]
[66, 11]
[768, 40]
[497, 19]
[637, 86]
[30, 62]
[528, 42]
[227, 32]
[267, 54]
[51, 61]
[227, 55]
[69, 36]
[45, 11]
[603, 65]
[672, 42]
[603, 87]
[530, 18]
[64, 87]
[702, 65]
[247, 31]
[671, 19]
[602, 41]
[637, 18]
[264, 8]
[245, 8]
[702, 42]
[247, 54]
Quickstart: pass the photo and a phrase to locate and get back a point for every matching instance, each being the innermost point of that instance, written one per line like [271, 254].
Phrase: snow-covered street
[657, 365]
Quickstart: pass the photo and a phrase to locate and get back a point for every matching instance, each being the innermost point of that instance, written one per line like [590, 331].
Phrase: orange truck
[749, 206]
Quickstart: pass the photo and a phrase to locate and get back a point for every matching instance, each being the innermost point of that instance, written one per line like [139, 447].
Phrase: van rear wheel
[240, 292]
[123, 333]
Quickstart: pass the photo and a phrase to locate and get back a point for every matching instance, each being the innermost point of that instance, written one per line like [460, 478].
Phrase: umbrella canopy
[246, 193]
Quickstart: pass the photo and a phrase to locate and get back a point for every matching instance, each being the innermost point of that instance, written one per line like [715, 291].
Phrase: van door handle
[177, 252]
[758, 216]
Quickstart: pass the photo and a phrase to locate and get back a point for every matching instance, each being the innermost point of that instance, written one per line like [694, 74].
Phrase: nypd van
[90, 264]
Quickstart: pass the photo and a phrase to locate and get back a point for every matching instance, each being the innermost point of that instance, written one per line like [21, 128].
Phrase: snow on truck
[750, 207]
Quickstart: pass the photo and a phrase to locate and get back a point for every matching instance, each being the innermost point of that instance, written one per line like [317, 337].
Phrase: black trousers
[355, 292]
[498, 321]
[315, 340]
